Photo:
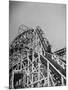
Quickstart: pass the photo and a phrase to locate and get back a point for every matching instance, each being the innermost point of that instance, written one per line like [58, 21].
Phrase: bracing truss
[31, 62]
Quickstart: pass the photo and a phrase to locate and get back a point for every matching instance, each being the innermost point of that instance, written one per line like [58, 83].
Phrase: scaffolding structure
[31, 62]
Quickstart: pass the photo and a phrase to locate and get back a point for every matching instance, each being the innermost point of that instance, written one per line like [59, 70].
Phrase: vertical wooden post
[32, 67]
[38, 68]
[48, 73]
[62, 80]
[12, 79]
[21, 63]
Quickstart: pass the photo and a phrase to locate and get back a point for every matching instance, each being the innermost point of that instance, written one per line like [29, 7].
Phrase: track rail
[56, 66]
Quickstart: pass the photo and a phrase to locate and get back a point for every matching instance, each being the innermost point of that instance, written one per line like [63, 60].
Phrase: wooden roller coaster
[32, 63]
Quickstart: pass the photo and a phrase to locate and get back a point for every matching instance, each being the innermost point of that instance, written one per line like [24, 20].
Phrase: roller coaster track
[52, 66]
[53, 63]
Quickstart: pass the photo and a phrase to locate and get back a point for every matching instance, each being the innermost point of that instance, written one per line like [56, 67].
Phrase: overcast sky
[51, 18]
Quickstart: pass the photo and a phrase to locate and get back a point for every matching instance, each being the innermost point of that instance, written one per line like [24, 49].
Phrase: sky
[50, 17]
